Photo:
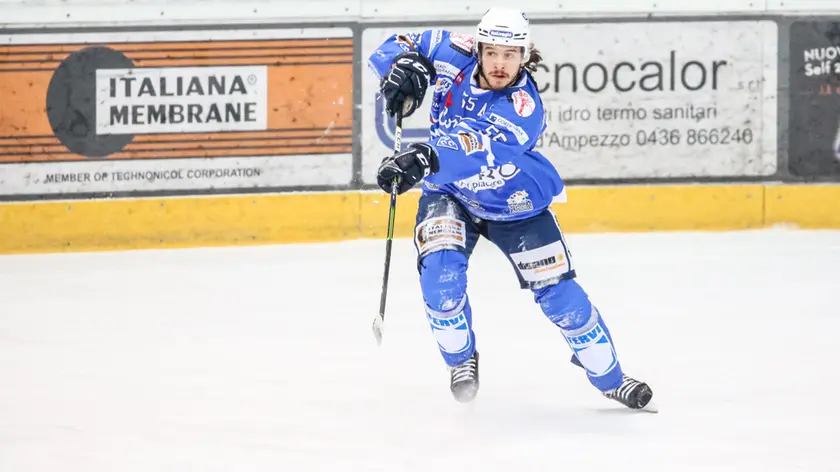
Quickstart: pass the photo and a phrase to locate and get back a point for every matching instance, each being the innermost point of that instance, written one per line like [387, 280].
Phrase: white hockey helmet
[506, 27]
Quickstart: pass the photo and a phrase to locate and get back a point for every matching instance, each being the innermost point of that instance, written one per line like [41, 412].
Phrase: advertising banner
[814, 126]
[649, 100]
[177, 110]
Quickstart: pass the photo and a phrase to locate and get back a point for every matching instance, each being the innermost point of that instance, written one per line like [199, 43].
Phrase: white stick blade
[378, 325]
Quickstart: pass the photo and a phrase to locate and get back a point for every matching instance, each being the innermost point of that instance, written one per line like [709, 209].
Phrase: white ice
[263, 359]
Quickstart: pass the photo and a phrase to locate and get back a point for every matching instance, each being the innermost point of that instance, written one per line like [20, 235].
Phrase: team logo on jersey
[519, 202]
[462, 43]
[446, 142]
[523, 103]
[470, 143]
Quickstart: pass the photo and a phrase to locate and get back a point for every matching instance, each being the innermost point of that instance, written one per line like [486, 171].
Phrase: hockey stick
[379, 321]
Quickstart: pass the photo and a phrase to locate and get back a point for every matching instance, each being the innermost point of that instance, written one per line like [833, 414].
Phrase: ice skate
[631, 393]
[463, 380]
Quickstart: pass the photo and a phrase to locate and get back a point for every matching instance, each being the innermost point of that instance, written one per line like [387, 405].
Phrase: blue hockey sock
[443, 279]
[568, 307]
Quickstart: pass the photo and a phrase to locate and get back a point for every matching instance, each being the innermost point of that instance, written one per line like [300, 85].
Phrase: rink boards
[333, 216]
[179, 134]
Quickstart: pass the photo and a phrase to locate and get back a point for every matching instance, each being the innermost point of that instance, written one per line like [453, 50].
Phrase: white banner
[640, 100]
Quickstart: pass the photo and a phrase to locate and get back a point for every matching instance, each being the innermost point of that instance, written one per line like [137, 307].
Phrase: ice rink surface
[263, 359]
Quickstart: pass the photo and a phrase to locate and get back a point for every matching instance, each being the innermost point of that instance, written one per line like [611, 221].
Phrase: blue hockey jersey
[484, 139]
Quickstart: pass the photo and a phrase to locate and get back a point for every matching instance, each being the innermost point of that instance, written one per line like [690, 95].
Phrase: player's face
[500, 64]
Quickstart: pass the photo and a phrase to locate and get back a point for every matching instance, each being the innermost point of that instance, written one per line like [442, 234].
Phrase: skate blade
[465, 395]
[651, 407]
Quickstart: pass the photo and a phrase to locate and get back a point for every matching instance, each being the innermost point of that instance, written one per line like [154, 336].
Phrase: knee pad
[565, 304]
[443, 279]
[568, 306]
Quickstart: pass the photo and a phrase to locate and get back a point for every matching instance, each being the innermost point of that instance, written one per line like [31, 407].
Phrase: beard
[496, 81]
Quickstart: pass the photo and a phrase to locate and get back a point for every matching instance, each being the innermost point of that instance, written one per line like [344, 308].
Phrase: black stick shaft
[392, 210]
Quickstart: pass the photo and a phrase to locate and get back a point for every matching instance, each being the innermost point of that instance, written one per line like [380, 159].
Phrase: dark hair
[533, 60]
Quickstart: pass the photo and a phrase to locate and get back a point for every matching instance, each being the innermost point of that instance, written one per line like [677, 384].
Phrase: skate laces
[628, 385]
[465, 371]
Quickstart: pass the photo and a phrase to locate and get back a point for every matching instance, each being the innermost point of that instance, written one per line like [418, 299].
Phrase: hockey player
[484, 178]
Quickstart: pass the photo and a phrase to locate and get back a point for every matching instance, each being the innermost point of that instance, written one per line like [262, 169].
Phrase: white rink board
[216, 173]
[733, 66]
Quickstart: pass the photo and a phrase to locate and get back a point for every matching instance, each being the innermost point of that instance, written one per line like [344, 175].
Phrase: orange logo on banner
[175, 99]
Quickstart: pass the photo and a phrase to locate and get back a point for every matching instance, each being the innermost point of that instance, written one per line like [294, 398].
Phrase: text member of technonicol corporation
[484, 178]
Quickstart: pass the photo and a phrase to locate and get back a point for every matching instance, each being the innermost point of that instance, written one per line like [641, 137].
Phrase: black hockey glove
[410, 166]
[404, 86]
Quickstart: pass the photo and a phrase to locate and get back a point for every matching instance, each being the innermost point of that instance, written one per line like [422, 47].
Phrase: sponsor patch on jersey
[462, 43]
[447, 69]
[523, 103]
[459, 78]
[446, 142]
[443, 84]
[518, 132]
[490, 178]
[470, 143]
[543, 263]
[440, 232]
